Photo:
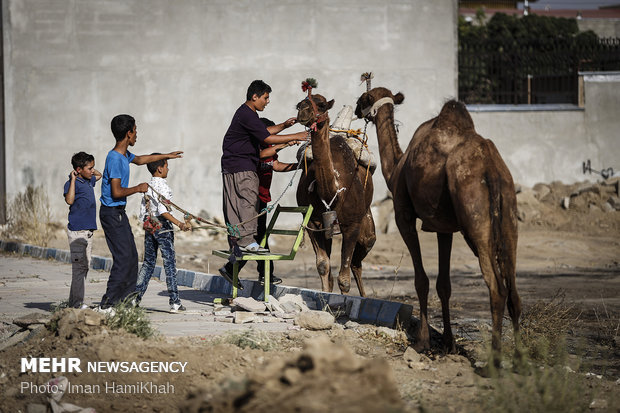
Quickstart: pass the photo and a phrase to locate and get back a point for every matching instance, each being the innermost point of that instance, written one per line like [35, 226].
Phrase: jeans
[164, 240]
[124, 272]
[80, 245]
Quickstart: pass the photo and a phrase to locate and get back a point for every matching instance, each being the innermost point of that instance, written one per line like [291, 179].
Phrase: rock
[32, 318]
[68, 407]
[541, 191]
[566, 202]
[242, 317]
[224, 319]
[7, 330]
[528, 206]
[293, 298]
[351, 324]
[36, 408]
[14, 339]
[249, 304]
[614, 201]
[586, 187]
[315, 320]
[599, 404]
[273, 305]
[389, 332]
[607, 207]
[92, 318]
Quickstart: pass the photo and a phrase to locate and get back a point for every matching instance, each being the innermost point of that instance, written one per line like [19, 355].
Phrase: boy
[80, 196]
[162, 238]
[240, 155]
[267, 165]
[114, 192]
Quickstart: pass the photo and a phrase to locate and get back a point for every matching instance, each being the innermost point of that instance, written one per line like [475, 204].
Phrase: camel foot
[421, 346]
[449, 345]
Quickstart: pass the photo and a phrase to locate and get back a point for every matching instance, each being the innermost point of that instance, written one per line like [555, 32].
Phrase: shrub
[29, 217]
[131, 318]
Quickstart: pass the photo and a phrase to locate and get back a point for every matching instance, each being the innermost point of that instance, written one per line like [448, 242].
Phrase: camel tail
[501, 256]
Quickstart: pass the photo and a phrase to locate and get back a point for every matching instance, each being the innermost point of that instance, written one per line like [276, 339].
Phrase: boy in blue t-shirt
[80, 196]
[114, 192]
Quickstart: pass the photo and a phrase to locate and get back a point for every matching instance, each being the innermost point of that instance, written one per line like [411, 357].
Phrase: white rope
[375, 107]
[328, 206]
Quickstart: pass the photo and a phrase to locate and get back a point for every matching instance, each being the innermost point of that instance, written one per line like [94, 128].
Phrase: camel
[452, 179]
[334, 177]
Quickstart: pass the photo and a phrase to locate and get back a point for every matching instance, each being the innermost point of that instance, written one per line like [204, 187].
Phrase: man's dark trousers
[124, 272]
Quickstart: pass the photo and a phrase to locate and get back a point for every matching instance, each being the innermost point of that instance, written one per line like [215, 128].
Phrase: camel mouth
[305, 113]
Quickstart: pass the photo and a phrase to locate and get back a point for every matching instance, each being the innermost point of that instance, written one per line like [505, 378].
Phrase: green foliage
[510, 57]
[130, 318]
[249, 339]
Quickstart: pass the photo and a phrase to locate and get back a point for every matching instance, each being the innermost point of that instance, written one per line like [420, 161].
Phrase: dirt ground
[570, 253]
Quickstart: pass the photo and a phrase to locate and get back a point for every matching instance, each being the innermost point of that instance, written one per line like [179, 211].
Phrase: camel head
[311, 112]
[369, 103]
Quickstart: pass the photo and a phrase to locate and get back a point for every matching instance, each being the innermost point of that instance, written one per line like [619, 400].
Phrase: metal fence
[490, 74]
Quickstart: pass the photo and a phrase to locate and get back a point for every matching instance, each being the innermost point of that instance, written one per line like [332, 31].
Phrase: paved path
[32, 285]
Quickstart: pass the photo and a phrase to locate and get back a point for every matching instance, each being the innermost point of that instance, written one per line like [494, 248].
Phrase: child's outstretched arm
[144, 159]
[182, 225]
[70, 195]
[119, 192]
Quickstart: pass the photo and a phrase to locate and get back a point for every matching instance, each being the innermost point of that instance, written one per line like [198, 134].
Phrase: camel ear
[330, 104]
[398, 99]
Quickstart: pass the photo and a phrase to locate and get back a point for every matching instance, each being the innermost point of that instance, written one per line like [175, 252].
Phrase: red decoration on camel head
[308, 84]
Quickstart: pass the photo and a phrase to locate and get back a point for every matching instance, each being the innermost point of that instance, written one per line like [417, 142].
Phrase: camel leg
[363, 246]
[498, 302]
[349, 240]
[322, 249]
[410, 236]
[444, 288]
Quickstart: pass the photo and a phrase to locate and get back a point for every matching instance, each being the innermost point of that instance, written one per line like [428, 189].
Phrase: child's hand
[184, 226]
[289, 122]
[73, 175]
[175, 154]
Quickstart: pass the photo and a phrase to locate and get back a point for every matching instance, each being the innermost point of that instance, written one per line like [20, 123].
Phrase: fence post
[581, 94]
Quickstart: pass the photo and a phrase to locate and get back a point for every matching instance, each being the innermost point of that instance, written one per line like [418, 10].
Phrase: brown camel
[334, 177]
[452, 179]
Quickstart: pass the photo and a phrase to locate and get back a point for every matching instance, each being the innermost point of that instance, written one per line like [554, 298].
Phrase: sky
[571, 4]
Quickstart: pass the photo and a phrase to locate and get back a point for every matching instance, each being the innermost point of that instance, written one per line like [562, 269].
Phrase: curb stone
[360, 309]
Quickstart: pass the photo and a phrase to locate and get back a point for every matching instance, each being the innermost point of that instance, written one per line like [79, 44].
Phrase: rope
[186, 215]
[328, 206]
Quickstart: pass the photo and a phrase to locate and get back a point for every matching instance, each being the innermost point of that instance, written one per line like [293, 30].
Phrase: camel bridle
[319, 117]
[371, 111]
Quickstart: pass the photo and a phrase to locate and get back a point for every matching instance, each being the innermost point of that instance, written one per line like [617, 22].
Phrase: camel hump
[454, 114]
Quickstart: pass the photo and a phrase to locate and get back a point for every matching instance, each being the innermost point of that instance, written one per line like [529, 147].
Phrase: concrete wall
[181, 68]
[547, 145]
[602, 27]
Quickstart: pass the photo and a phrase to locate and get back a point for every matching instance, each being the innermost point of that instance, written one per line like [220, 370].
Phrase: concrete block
[388, 314]
[369, 310]
[354, 304]
[219, 285]
[50, 253]
[157, 272]
[63, 256]
[97, 263]
[201, 281]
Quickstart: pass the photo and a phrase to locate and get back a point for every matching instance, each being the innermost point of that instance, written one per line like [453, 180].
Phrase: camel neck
[389, 149]
[323, 164]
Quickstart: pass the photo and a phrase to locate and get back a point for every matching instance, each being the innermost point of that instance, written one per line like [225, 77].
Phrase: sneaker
[272, 280]
[109, 311]
[229, 277]
[177, 308]
[253, 247]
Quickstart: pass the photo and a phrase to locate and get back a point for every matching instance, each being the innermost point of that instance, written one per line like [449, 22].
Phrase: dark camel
[452, 179]
[334, 175]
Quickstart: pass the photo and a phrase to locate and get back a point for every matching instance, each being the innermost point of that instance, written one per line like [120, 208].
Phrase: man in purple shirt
[240, 156]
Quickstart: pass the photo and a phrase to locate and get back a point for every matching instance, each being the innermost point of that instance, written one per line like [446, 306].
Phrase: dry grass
[29, 217]
[544, 326]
